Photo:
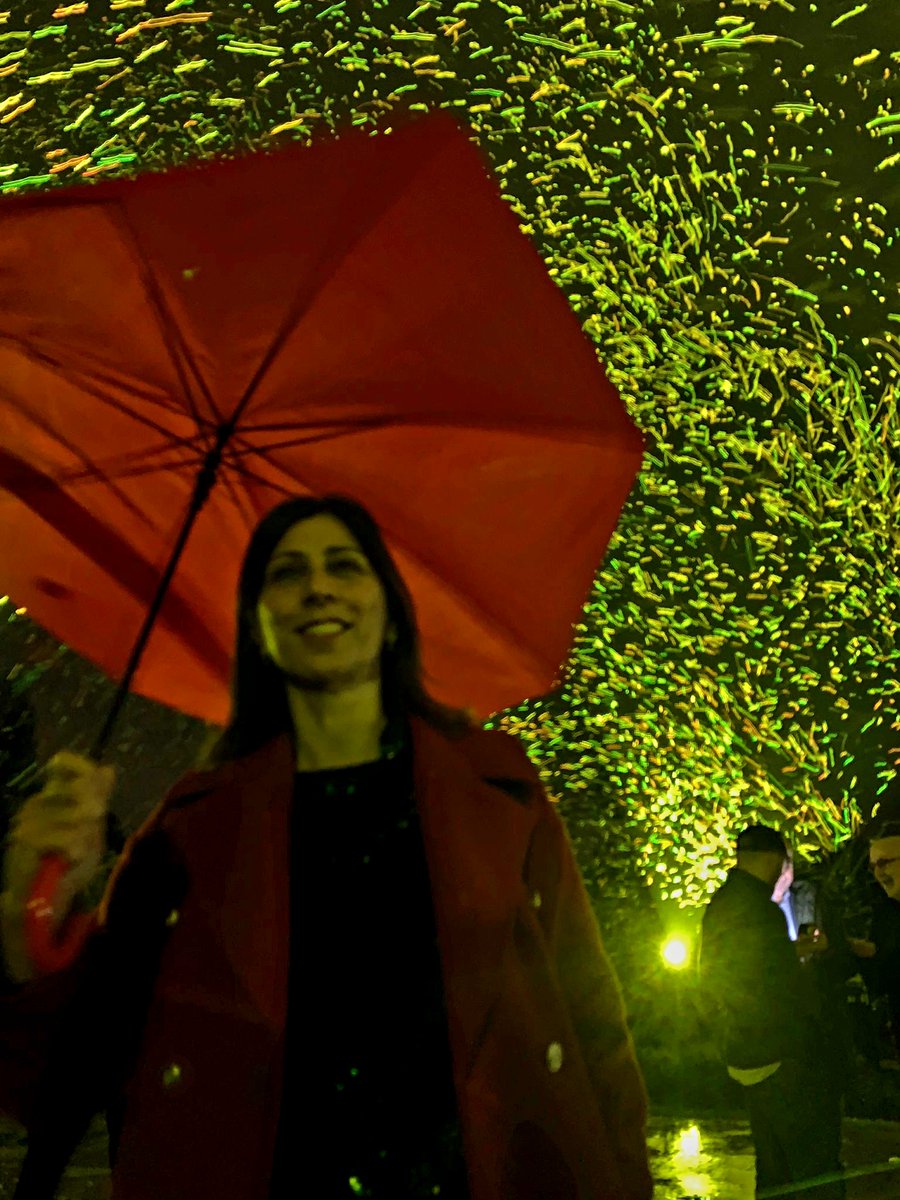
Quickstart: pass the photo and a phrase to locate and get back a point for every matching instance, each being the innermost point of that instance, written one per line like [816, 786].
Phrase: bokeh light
[675, 953]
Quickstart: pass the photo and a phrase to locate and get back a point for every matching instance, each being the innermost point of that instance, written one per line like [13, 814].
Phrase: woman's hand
[67, 817]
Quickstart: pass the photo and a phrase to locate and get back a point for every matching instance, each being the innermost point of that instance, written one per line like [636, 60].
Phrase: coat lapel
[241, 871]
[476, 840]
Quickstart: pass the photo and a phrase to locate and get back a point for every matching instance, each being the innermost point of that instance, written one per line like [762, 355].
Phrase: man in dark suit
[767, 1020]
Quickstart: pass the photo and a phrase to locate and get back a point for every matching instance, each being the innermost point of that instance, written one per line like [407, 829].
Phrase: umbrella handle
[49, 952]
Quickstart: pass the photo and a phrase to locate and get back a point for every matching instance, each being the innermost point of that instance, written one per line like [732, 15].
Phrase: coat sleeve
[594, 999]
[31, 1016]
[67, 1041]
[96, 1039]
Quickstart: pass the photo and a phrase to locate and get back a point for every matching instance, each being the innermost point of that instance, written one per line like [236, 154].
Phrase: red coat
[551, 1101]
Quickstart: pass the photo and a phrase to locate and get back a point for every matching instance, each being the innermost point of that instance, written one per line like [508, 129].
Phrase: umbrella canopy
[361, 316]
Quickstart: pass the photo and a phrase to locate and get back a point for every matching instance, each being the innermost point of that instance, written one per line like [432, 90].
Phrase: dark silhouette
[765, 1009]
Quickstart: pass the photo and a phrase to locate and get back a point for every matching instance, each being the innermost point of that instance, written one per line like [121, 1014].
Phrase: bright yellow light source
[675, 952]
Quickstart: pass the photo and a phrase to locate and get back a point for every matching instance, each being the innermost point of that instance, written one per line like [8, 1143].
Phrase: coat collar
[491, 756]
[475, 798]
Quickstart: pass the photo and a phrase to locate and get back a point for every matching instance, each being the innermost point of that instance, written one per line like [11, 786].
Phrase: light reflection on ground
[691, 1161]
[693, 1158]
[712, 1159]
[707, 1159]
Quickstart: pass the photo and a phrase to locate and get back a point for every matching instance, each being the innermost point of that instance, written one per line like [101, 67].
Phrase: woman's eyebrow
[328, 550]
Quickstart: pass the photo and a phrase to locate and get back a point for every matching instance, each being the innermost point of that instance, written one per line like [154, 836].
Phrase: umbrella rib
[90, 472]
[87, 385]
[304, 302]
[169, 330]
[111, 551]
[536, 428]
[109, 471]
[239, 497]
[247, 473]
[134, 472]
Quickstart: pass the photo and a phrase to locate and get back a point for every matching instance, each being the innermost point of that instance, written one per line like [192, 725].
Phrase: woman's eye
[340, 566]
[294, 571]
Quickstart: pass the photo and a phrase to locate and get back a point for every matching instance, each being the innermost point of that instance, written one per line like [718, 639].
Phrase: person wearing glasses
[879, 954]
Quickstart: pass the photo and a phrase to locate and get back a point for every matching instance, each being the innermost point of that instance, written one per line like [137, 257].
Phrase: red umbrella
[362, 316]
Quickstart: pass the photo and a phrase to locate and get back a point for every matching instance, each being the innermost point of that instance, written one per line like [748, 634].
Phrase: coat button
[536, 900]
[171, 1075]
[172, 918]
[554, 1057]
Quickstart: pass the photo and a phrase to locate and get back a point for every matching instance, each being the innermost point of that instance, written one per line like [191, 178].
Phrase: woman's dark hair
[259, 705]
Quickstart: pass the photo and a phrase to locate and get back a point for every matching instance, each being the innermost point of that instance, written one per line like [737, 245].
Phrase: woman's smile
[323, 631]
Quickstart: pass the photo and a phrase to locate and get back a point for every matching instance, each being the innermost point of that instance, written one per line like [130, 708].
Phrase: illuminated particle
[160, 22]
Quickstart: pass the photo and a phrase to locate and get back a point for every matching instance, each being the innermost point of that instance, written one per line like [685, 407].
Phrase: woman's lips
[323, 630]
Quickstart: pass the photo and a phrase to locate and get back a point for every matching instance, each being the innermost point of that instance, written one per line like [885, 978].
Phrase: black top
[764, 1007]
[369, 1107]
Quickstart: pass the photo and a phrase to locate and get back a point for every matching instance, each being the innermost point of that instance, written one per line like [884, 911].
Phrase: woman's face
[322, 611]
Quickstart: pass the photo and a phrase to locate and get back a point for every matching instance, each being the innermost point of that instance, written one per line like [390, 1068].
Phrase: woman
[352, 954]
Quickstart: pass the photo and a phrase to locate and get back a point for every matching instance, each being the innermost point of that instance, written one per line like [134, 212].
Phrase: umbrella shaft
[206, 479]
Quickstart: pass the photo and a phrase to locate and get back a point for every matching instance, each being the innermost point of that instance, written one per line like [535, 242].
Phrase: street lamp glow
[675, 953]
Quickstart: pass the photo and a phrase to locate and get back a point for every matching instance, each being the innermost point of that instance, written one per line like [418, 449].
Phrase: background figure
[878, 956]
[767, 1019]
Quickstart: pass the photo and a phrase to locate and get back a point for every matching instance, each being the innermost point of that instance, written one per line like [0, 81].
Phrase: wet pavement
[712, 1159]
[700, 1158]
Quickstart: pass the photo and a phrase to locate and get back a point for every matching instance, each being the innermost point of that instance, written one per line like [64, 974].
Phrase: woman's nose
[318, 582]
